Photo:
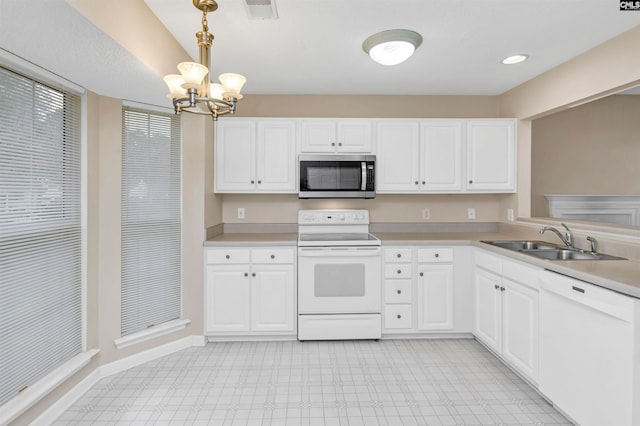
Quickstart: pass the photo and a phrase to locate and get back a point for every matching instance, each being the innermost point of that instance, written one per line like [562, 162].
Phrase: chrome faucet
[594, 243]
[567, 239]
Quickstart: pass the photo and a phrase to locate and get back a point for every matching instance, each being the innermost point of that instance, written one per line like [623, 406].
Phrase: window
[41, 318]
[151, 220]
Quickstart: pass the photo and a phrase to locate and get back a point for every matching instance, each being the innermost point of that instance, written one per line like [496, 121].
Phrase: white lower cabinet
[435, 289]
[250, 291]
[506, 310]
[421, 292]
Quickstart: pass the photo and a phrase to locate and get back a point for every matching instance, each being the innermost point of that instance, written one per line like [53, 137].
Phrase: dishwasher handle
[600, 299]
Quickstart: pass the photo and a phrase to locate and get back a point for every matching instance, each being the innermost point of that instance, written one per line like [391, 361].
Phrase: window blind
[40, 231]
[151, 220]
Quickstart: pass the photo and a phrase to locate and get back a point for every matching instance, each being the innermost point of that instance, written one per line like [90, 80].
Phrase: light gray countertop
[622, 276]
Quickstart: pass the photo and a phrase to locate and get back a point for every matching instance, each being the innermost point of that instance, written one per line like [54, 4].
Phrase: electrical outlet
[510, 216]
[426, 214]
[240, 212]
[471, 213]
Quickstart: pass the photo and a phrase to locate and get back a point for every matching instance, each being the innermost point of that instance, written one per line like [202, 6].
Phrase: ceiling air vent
[261, 9]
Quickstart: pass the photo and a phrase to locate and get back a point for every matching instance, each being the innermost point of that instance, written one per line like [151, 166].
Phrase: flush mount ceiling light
[392, 47]
[515, 59]
[192, 91]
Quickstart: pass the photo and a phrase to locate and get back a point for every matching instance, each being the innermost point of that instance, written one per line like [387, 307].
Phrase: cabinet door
[488, 327]
[276, 156]
[317, 136]
[272, 298]
[235, 156]
[491, 155]
[397, 161]
[520, 327]
[354, 136]
[441, 155]
[227, 298]
[435, 297]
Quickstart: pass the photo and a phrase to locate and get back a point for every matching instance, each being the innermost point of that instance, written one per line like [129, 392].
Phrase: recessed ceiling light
[515, 59]
[392, 47]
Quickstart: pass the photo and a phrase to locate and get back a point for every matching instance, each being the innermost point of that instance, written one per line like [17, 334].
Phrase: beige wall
[385, 208]
[590, 149]
[606, 69]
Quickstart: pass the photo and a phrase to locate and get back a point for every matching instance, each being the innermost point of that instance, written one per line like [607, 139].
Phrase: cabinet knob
[228, 257]
[333, 144]
[399, 271]
[253, 181]
[253, 274]
[259, 182]
[437, 254]
[423, 182]
[273, 256]
[246, 274]
[496, 286]
[399, 255]
[416, 182]
[422, 274]
[399, 292]
[339, 143]
[501, 288]
[398, 316]
[470, 181]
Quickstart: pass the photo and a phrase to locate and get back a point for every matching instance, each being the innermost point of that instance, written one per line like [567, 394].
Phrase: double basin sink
[544, 250]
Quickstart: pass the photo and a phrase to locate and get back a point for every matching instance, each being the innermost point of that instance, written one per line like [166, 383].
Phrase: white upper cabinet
[419, 156]
[255, 155]
[441, 155]
[335, 135]
[235, 158]
[491, 156]
[276, 156]
[397, 158]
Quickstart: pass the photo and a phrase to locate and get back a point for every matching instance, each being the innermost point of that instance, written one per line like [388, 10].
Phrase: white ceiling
[314, 47]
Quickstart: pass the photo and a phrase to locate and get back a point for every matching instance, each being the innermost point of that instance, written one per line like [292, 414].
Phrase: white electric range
[339, 276]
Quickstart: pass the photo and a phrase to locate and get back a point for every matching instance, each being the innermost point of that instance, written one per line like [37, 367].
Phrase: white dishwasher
[589, 362]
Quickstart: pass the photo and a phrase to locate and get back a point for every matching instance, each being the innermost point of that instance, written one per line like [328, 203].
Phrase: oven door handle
[363, 165]
[338, 251]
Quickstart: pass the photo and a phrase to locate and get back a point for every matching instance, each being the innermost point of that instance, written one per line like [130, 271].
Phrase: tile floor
[390, 382]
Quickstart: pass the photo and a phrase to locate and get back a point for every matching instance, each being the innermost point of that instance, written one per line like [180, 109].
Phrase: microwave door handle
[363, 165]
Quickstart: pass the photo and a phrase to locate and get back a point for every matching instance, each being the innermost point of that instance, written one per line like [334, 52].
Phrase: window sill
[151, 333]
[21, 403]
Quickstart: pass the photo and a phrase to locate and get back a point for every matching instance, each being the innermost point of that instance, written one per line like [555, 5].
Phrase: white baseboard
[68, 399]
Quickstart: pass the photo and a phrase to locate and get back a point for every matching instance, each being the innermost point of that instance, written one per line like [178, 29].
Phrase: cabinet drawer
[397, 255]
[397, 291]
[397, 316]
[518, 272]
[274, 255]
[435, 255]
[397, 270]
[227, 256]
[489, 262]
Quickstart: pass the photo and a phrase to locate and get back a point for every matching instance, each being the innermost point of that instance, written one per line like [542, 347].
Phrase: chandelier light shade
[191, 91]
[392, 47]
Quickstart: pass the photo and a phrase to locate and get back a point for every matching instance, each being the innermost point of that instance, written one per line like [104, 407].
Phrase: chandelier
[192, 91]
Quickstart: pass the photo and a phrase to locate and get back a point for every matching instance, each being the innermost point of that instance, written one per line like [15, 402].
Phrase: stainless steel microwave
[337, 176]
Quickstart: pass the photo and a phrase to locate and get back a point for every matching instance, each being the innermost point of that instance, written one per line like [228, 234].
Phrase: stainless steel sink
[544, 250]
[524, 245]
